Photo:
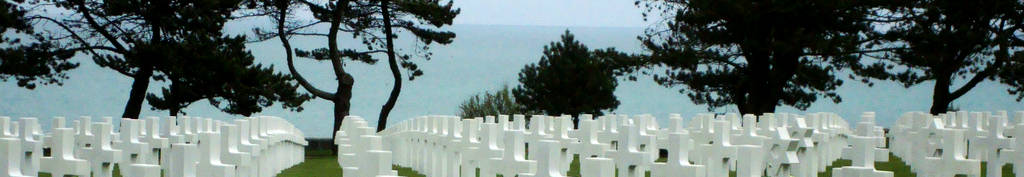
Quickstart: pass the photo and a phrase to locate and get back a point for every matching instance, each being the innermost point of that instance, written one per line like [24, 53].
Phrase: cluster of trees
[759, 55]
[754, 55]
[182, 43]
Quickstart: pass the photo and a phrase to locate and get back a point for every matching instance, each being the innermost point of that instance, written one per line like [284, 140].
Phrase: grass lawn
[900, 168]
[322, 164]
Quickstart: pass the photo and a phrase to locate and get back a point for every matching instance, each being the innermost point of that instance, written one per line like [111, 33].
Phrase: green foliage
[32, 59]
[246, 87]
[941, 41]
[569, 79]
[362, 19]
[500, 102]
[12, 16]
[753, 54]
[175, 41]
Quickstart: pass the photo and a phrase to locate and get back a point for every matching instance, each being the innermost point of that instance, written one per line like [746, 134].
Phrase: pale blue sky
[580, 13]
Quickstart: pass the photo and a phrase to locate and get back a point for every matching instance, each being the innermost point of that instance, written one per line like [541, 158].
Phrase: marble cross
[952, 160]
[678, 157]
[548, 157]
[513, 160]
[102, 155]
[62, 160]
[629, 159]
[31, 138]
[10, 148]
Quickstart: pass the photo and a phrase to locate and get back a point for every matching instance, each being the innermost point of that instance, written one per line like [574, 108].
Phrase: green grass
[323, 164]
[895, 165]
[117, 173]
[900, 168]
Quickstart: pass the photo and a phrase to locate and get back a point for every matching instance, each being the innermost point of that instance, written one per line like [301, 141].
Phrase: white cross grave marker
[135, 153]
[678, 158]
[184, 160]
[513, 160]
[548, 160]
[629, 159]
[10, 148]
[210, 164]
[952, 160]
[31, 144]
[863, 155]
[102, 155]
[720, 153]
[62, 160]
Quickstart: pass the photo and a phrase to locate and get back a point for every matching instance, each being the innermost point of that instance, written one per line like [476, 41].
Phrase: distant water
[483, 57]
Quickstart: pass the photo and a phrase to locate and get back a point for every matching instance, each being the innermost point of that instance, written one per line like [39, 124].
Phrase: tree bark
[342, 100]
[174, 111]
[340, 111]
[941, 95]
[396, 89]
[138, 93]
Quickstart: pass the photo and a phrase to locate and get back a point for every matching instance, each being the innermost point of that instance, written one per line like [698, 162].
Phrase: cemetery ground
[322, 163]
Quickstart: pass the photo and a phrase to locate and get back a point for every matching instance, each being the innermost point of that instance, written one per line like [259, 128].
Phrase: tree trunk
[174, 111]
[941, 95]
[138, 93]
[382, 121]
[340, 112]
[342, 104]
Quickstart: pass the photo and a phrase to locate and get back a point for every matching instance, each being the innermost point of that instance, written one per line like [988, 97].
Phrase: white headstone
[589, 146]
[548, 160]
[782, 153]
[230, 152]
[952, 160]
[863, 155]
[629, 159]
[597, 167]
[135, 154]
[31, 138]
[1019, 147]
[62, 160]
[10, 149]
[678, 158]
[721, 153]
[184, 160]
[210, 164]
[102, 155]
[513, 160]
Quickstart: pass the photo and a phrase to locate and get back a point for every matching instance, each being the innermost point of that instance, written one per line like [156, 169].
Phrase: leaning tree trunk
[138, 93]
[382, 121]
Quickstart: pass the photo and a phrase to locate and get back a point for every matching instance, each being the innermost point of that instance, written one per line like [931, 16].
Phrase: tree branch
[291, 60]
[73, 34]
[92, 22]
[989, 71]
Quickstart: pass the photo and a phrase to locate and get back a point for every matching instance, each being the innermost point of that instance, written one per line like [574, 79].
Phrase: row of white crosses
[711, 145]
[185, 146]
[955, 143]
[360, 150]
